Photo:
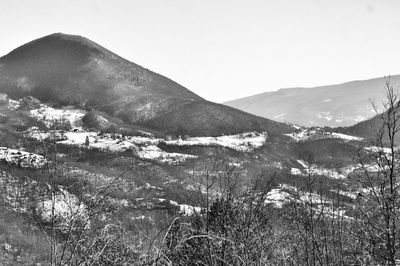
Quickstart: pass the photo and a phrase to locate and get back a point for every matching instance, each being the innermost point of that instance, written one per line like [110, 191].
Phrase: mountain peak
[72, 70]
[65, 35]
[73, 38]
[56, 44]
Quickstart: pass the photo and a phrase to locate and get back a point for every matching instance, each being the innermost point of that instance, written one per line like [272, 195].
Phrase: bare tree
[319, 228]
[72, 241]
[379, 200]
[233, 227]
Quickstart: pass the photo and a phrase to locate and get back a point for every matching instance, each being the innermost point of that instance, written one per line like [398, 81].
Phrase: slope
[72, 70]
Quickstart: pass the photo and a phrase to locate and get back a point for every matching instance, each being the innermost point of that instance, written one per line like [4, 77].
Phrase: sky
[226, 49]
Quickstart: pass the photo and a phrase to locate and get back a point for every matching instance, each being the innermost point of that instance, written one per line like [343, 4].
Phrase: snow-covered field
[285, 193]
[317, 170]
[50, 116]
[152, 152]
[147, 147]
[22, 158]
[385, 150]
[339, 173]
[278, 196]
[144, 147]
[318, 133]
[241, 142]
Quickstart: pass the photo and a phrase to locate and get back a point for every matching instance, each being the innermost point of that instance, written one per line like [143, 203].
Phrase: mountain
[334, 105]
[89, 156]
[72, 70]
[369, 130]
[366, 129]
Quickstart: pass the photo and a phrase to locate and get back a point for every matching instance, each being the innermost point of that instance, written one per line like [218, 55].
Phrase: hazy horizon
[224, 50]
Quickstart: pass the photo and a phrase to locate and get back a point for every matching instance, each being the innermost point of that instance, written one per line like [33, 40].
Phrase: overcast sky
[224, 50]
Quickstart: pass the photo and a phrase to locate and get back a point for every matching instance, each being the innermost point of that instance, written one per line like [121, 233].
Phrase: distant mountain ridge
[334, 105]
[73, 70]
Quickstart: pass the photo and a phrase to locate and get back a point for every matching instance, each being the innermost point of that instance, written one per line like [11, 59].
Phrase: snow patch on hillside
[321, 171]
[68, 210]
[345, 137]
[244, 142]
[377, 149]
[48, 115]
[152, 152]
[22, 159]
[143, 147]
[186, 209]
[350, 194]
[278, 196]
[13, 105]
[51, 116]
[147, 147]
[286, 193]
[318, 133]
[295, 171]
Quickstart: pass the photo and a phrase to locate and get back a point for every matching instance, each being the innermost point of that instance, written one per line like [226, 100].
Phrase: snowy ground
[146, 147]
[184, 209]
[278, 196]
[50, 116]
[285, 193]
[68, 210]
[241, 142]
[317, 170]
[13, 105]
[22, 158]
[317, 133]
[377, 149]
[152, 152]
[339, 173]
[350, 194]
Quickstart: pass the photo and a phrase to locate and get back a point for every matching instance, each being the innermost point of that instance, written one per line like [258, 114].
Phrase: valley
[115, 153]
[151, 177]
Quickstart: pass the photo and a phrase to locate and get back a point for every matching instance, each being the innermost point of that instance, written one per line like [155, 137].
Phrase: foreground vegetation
[59, 218]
